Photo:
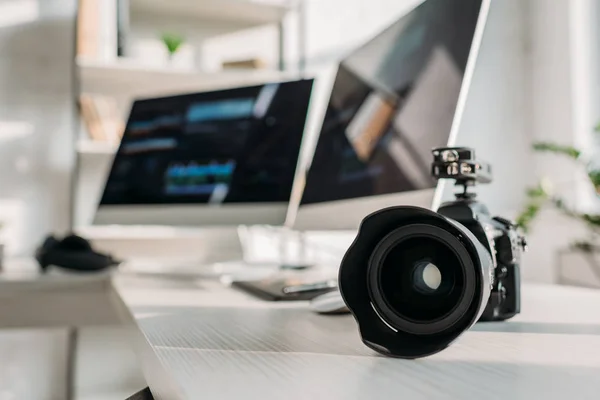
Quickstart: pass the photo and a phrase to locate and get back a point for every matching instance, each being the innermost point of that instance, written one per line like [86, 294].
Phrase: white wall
[335, 27]
[584, 19]
[496, 115]
[564, 90]
[550, 83]
[36, 117]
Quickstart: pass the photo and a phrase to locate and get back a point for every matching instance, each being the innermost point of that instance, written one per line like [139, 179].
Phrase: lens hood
[375, 281]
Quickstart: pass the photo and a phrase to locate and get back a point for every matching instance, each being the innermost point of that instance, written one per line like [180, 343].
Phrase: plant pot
[183, 58]
[579, 268]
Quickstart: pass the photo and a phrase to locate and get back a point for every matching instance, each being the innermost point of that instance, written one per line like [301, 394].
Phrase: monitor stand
[275, 245]
[323, 248]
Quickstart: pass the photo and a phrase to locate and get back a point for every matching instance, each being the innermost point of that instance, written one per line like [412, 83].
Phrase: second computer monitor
[393, 100]
[217, 158]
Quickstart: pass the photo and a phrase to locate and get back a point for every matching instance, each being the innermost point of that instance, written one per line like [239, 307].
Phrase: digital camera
[415, 279]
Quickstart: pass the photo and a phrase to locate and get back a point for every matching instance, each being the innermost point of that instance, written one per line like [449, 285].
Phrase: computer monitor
[220, 158]
[393, 100]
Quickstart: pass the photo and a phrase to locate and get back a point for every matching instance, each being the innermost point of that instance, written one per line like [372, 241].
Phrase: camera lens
[421, 279]
[400, 268]
[414, 280]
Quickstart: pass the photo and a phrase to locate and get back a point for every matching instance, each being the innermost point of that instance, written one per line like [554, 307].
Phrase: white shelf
[94, 147]
[127, 78]
[248, 12]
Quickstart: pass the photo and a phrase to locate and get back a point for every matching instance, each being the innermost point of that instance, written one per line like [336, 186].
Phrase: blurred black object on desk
[72, 253]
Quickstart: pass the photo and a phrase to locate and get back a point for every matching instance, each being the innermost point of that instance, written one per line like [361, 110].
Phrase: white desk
[200, 340]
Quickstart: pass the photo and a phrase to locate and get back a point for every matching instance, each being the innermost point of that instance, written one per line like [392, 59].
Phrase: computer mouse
[329, 303]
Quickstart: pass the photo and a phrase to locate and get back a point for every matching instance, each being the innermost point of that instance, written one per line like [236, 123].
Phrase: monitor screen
[393, 100]
[231, 146]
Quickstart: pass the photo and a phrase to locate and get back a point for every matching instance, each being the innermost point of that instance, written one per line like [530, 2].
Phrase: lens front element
[402, 279]
[421, 279]
[427, 277]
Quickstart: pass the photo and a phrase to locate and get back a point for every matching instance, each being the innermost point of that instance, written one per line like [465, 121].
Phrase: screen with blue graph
[230, 146]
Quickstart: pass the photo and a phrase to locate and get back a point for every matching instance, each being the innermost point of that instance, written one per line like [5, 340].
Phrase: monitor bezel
[204, 215]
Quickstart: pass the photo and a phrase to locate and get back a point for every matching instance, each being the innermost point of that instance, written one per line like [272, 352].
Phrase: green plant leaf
[557, 149]
[594, 176]
[591, 219]
[525, 219]
[536, 192]
[537, 196]
[172, 41]
[585, 246]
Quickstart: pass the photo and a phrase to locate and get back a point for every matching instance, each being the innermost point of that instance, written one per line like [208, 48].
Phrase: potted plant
[172, 42]
[583, 254]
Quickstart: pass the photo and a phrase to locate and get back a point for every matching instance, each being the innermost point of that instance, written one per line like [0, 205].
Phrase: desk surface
[197, 339]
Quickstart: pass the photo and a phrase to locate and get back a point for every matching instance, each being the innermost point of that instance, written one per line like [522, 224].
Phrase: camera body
[501, 239]
[498, 235]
